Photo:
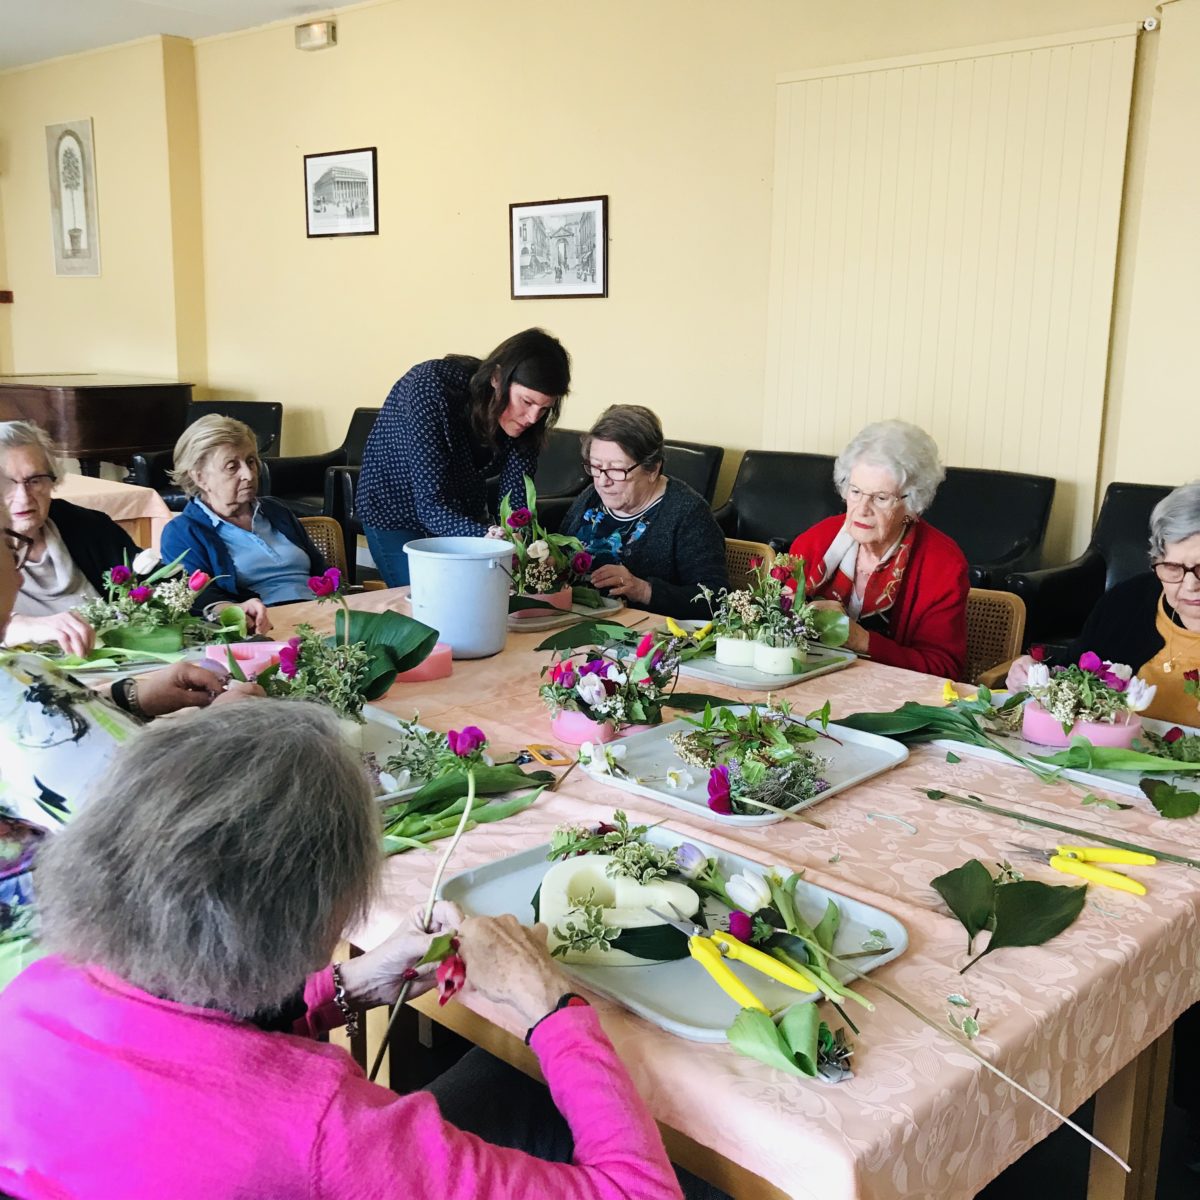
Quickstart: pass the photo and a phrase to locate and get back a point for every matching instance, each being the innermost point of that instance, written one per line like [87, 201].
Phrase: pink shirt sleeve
[373, 1144]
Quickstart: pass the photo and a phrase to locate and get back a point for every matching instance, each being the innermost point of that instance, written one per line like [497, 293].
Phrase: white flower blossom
[146, 561]
[749, 891]
[1139, 695]
[680, 780]
[1121, 671]
[590, 690]
[1038, 677]
[539, 549]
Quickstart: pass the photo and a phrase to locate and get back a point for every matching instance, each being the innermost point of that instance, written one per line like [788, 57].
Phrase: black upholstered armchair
[778, 494]
[1059, 599]
[299, 481]
[696, 463]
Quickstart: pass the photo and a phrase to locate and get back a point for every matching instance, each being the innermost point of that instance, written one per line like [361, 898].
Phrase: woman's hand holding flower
[68, 629]
[509, 964]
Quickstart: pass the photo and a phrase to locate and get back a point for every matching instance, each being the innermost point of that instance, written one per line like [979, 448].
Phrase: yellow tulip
[949, 692]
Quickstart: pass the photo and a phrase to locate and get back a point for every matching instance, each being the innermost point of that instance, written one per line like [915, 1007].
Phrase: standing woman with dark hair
[445, 428]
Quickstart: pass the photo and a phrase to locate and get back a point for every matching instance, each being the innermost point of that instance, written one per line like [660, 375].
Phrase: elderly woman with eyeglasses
[193, 910]
[1152, 621]
[653, 540]
[903, 583]
[65, 548]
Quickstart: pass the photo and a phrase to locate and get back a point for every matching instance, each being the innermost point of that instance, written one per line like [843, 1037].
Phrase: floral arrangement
[756, 761]
[543, 562]
[772, 608]
[1090, 690]
[312, 667]
[1173, 744]
[608, 686]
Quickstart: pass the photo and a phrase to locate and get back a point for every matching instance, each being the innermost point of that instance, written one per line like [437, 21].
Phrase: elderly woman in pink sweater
[165, 1049]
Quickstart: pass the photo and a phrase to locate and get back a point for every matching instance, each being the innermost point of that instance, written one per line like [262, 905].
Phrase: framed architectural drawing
[559, 248]
[341, 193]
[74, 223]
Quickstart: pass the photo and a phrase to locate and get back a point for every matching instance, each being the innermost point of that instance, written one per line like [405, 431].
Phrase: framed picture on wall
[341, 193]
[74, 223]
[559, 248]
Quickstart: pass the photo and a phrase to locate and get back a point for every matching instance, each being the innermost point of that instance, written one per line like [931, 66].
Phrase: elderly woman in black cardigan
[71, 547]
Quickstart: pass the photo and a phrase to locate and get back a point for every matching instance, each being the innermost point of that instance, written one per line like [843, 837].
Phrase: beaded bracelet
[339, 998]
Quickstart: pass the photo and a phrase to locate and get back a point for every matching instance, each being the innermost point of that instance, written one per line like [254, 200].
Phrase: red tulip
[1172, 735]
[451, 976]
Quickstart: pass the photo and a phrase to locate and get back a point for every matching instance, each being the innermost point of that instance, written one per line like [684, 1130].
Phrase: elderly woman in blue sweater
[253, 547]
[445, 428]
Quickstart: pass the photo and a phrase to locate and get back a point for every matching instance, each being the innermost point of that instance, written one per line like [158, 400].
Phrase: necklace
[1175, 624]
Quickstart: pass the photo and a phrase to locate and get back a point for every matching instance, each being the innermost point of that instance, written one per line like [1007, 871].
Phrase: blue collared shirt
[267, 563]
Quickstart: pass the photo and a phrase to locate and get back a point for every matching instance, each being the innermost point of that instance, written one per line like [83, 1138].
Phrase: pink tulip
[198, 581]
[645, 645]
[1037, 653]
[321, 585]
[139, 595]
[1172, 735]
[289, 661]
[520, 518]
[120, 574]
[451, 976]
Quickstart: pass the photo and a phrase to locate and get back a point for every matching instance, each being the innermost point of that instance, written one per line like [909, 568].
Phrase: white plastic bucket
[460, 587]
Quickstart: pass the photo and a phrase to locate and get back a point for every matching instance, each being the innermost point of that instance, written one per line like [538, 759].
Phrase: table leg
[1129, 1117]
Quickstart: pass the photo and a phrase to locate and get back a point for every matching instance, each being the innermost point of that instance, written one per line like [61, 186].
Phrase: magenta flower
[198, 581]
[1037, 653]
[120, 574]
[289, 661]
[1109, 679]
[656, 661]
[718, 790]
[787, 601]
[139, 595]
[326, 584]
[466, 742]
[451, 976]
[1173, 734]
[581, 564]
[1089, 660]
[740, 925]
[645, 645]
[597, 666]
[519, 518]
[780, 573]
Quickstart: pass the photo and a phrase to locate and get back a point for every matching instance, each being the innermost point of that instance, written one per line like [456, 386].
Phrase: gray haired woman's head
[633, 427]
[16, 435]
[905, 450]
[219, 860]
[1176, 517]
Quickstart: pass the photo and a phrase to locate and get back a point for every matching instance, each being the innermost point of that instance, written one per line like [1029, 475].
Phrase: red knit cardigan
[928, 620]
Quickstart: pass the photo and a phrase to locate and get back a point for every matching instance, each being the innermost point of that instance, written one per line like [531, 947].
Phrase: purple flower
[120, 575]
[690, 861]
[787, 601]
[581, 564]
[519, 518]
[289, 660]
[1113, 681]
[139, 595]
[1090, 661]
[466, 742]
[656, 661]
[598, 666]
[740, 925]
[718, 790]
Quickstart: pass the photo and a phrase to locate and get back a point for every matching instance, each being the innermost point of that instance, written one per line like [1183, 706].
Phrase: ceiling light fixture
[316, 35]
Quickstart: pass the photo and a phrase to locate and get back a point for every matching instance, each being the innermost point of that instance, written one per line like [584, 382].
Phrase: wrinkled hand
[509, 963]
[68, 629]
[257, 620]
[377, 976]
[1018, 673]
[181, 685]
[234, 690]
[497, 532]
[621, 581]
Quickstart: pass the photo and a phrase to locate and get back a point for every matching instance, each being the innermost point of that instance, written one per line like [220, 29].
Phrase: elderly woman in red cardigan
[902, 583]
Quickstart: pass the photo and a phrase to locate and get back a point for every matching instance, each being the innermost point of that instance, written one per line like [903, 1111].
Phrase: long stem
[783, 812]
[433, 891]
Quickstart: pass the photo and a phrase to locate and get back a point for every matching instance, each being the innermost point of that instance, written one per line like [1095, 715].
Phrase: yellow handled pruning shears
[711, 948]
[1079, 860]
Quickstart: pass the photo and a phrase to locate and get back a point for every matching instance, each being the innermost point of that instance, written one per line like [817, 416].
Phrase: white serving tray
[545, 621]
[854, 757]
[822, 660]
[379, 736]
[679, 996]
[1123, 782]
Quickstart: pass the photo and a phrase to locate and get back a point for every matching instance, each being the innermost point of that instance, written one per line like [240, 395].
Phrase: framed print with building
[341, 193]
[74, 225]
[559, 248]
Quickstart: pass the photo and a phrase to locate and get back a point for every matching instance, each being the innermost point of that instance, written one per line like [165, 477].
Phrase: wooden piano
[99, 418]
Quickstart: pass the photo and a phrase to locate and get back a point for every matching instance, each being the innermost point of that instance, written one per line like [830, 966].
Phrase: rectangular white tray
[678, 996]
[822, 660]
[379, 736]
[1123, 782]
[545, 621]
[853, 756]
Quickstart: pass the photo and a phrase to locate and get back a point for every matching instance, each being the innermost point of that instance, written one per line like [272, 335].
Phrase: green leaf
[659, 943]
[235, 667]
[393, 843]
[536, 904]
[489, 781]
[951, 757]
[589, 633]
[832, 626]
[826, 928]
[233, 617]
[587, 596]
[1171, 802]
[1082, 755]
[521, 603]
[1030, 913]
[1104, 802]
[968, 891]
[799, 1031]
[441, 947]
[485, 814]
[753, 1034]
[395, 642]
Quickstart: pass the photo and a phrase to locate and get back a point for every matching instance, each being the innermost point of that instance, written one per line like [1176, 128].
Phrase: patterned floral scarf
[834, 577]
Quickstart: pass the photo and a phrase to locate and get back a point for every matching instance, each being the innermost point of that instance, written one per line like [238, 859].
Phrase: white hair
[1175, 518]
[906, 450]
[16, 434]
[200, 439]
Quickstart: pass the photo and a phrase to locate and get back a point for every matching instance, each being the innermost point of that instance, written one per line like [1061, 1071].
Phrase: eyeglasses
[39, 484]
[19, 545]
[612, 474]
[1170, 572]
[885, 501]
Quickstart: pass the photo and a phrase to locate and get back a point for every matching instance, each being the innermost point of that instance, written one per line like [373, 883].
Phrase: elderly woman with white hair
[193, 910]
[69, 549]
[903, 583]
[254, 547]
[1152, 621]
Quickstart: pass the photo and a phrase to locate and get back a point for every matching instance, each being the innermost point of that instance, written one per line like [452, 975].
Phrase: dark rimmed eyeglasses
[32, 483]
[19, 545]
[1170, 572]
[613, 474]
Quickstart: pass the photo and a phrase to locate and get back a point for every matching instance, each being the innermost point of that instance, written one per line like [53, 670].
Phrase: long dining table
[1088, 1013]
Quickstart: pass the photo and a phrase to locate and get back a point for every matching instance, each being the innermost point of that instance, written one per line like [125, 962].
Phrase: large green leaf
[1171, 802]
[522, 603]
[792, 1047]
[1082, 755]
[826, 928]
[489, 781]
[589, 597]
[660, 943]
[395, 642]
[1029, 913]
[832, 625]
[968, 891]
[588, 633]
[694, 701]
[799, 1030]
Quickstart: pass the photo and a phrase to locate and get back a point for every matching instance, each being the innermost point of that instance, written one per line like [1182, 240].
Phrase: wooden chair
[738, 554]
[326, 535]
[995, 629]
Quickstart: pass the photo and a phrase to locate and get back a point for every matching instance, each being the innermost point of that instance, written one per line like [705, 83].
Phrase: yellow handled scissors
[710, 949]
[1079, 861]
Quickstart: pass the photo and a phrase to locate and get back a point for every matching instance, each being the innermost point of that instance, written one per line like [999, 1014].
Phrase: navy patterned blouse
[425, 469]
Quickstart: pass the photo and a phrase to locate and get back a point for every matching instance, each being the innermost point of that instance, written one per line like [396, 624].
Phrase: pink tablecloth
[920, 1118]
[140, 511]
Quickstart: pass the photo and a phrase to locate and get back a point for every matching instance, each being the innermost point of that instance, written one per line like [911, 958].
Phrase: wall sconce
[316, 35]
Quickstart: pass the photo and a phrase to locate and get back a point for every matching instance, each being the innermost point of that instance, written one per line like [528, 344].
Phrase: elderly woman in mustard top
[1152, 621]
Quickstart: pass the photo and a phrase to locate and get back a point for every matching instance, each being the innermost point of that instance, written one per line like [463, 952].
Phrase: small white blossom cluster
[541, 576]
[175, 596]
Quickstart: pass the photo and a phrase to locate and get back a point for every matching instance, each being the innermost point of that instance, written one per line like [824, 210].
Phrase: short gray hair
[1175, 518]
[904, 449]
[15, 434]
[219, 859]
[200, 439]
[633, 427]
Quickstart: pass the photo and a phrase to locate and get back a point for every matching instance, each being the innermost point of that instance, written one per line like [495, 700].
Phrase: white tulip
[1121, 671]
[1139, 695]
[590, 689]
[539, 550]
[146, 561]
[749, 891]
[1038, 677]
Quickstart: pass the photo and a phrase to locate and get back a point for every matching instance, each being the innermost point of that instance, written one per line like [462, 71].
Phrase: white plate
[1123, 782]
[853, 757]
[380, 737]
[822, 660]
[678, 996]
